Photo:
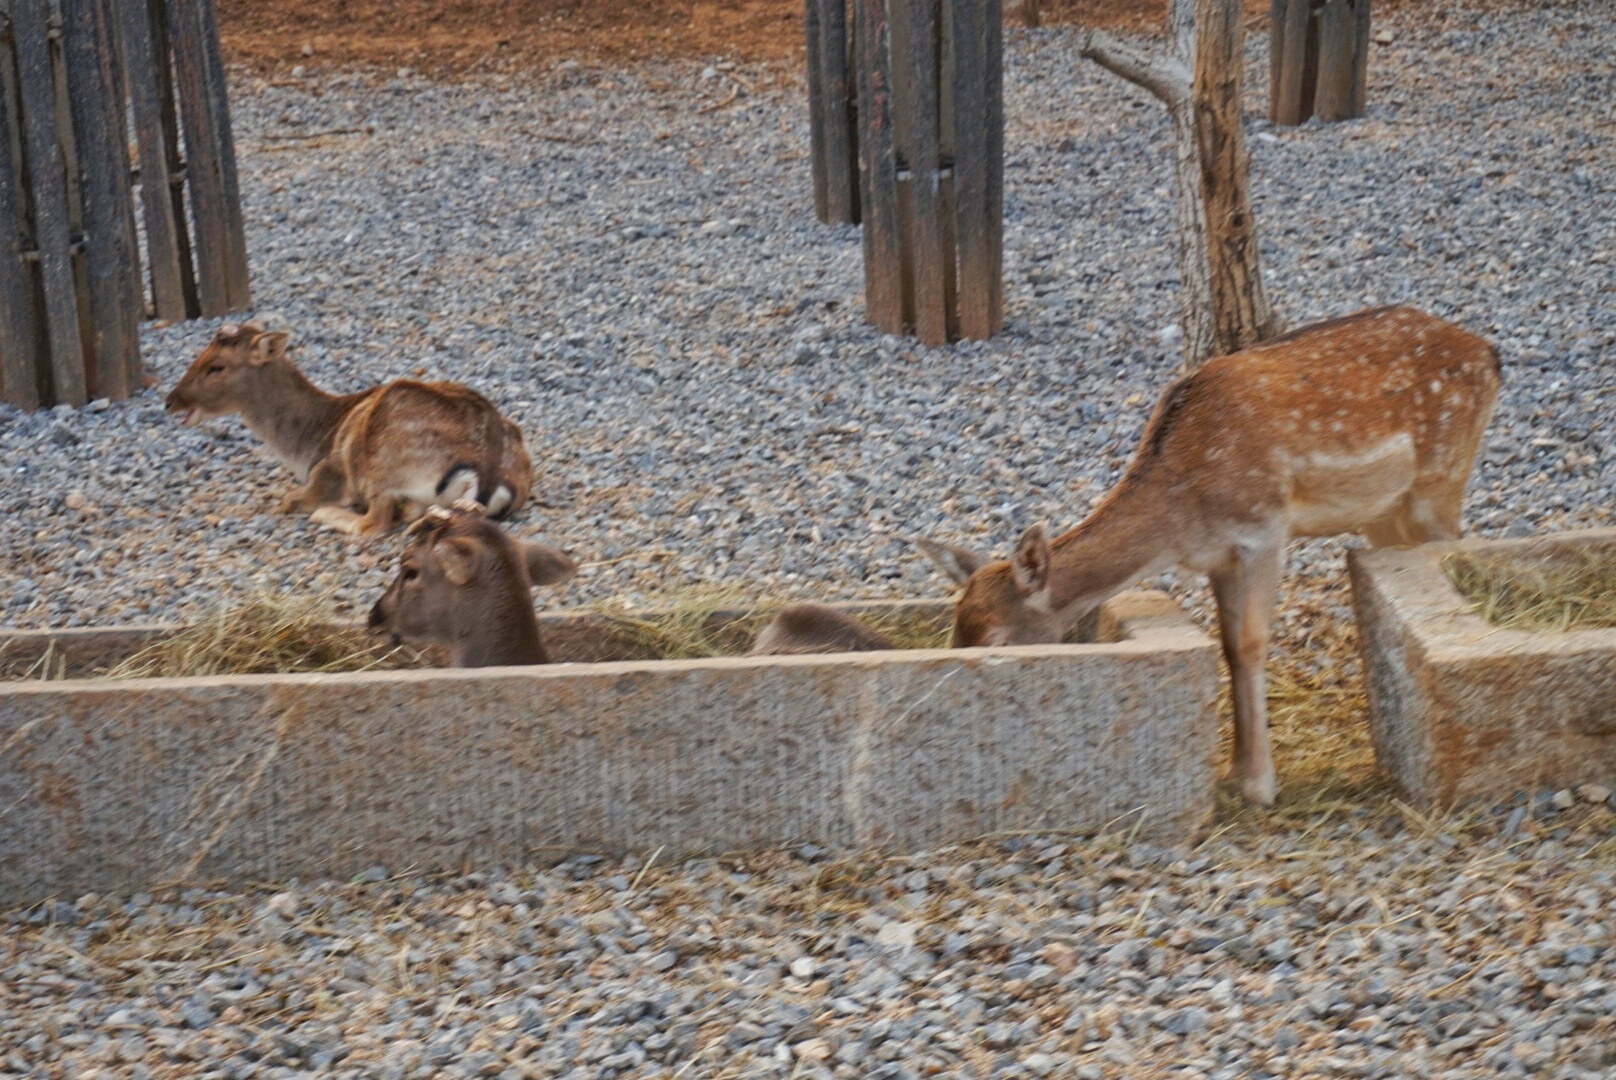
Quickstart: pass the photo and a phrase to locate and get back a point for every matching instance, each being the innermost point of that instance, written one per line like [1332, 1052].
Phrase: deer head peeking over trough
[816, 628]
[1369, 424]
[363, 458]
[465, 584]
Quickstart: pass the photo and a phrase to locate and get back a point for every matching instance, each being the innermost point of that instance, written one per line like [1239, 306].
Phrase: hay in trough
[1554, 593]
[269, 634]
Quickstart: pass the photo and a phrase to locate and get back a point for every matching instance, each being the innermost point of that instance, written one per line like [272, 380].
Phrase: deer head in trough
[464, 583]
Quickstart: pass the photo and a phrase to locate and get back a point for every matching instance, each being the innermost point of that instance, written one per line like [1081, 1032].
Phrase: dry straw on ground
[1566, 591]
[269, 634]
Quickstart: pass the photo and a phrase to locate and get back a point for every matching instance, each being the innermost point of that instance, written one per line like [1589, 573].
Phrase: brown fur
[815, 628]
[464, 583]
[1364, 424]
[364, 458]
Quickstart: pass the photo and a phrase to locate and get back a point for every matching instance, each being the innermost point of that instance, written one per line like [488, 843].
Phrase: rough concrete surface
[123, 784]
[1461, 709]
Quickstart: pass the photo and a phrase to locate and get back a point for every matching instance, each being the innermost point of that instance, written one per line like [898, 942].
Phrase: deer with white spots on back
[366, 459]
[1369, 423]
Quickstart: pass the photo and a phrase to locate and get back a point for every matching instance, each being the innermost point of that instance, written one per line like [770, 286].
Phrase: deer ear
[956, 562]
[268, 346]
[546, 565]
[457, 557]
[1030, 564]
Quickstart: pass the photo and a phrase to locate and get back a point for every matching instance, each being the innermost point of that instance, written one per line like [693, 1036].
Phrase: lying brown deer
[1369, 423]
[404, 445]
[464, 583]
[815, 628]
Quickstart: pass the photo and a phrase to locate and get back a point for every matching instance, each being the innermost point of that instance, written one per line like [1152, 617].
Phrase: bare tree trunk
[1224, 304]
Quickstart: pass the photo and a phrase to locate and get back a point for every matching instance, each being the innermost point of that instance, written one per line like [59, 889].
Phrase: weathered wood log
[110, 254]
[883, 263]
[917, 140]
[221, 245]
[833, 112]
[166, 247]
[47, 182]
[1290, 91]
[978, 158]
[1318, 60]
[21, 359]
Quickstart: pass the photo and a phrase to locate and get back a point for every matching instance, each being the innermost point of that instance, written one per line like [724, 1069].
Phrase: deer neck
[1128, 536]
[504, 633]
[295, 418]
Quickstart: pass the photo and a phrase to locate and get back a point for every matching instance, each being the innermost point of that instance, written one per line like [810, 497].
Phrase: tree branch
[1165, 77]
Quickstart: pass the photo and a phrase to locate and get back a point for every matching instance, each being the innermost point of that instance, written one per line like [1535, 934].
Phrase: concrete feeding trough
[125, 784]
[1462, 709]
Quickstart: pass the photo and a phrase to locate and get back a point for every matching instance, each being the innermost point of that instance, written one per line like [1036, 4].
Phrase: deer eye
[215, 369]
[410, 573]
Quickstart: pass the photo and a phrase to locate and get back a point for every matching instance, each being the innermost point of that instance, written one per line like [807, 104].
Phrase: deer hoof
[337, 518]
[1258, 790]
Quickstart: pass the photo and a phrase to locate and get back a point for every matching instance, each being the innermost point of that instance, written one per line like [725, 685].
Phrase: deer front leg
[1246, 588]
[380, 516]
[325, 487]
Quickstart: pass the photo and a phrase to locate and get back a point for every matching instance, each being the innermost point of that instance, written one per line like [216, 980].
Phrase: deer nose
[378, 615]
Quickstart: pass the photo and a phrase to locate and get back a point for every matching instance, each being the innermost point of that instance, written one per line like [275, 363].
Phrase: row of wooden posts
[74, 75]
[906, 103]
[913, 90]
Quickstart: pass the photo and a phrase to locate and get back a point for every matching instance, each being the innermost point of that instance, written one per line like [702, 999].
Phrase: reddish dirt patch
[468, 35]
[463, 35]
[439, 35]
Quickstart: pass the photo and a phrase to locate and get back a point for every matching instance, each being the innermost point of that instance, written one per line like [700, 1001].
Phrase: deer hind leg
[1246, 588]
[1424, 514]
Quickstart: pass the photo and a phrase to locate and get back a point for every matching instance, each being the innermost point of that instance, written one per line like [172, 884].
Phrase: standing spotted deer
[465, 584]
[1369, 423]
[405, 445]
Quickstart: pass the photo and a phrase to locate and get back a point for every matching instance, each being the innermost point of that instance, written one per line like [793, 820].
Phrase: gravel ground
[632, 271]
[1369, 945]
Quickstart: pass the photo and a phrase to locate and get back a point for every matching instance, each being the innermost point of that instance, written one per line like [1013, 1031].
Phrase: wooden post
[1290, 93]
[221, 245]
[977, 97]
[47, 181]
[167, 246]
[916, 137]
[833, 112]
[20, 355]
[931, 135]
[1318, 60]
[878, 173]
[110, 254]
[1360, 58]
